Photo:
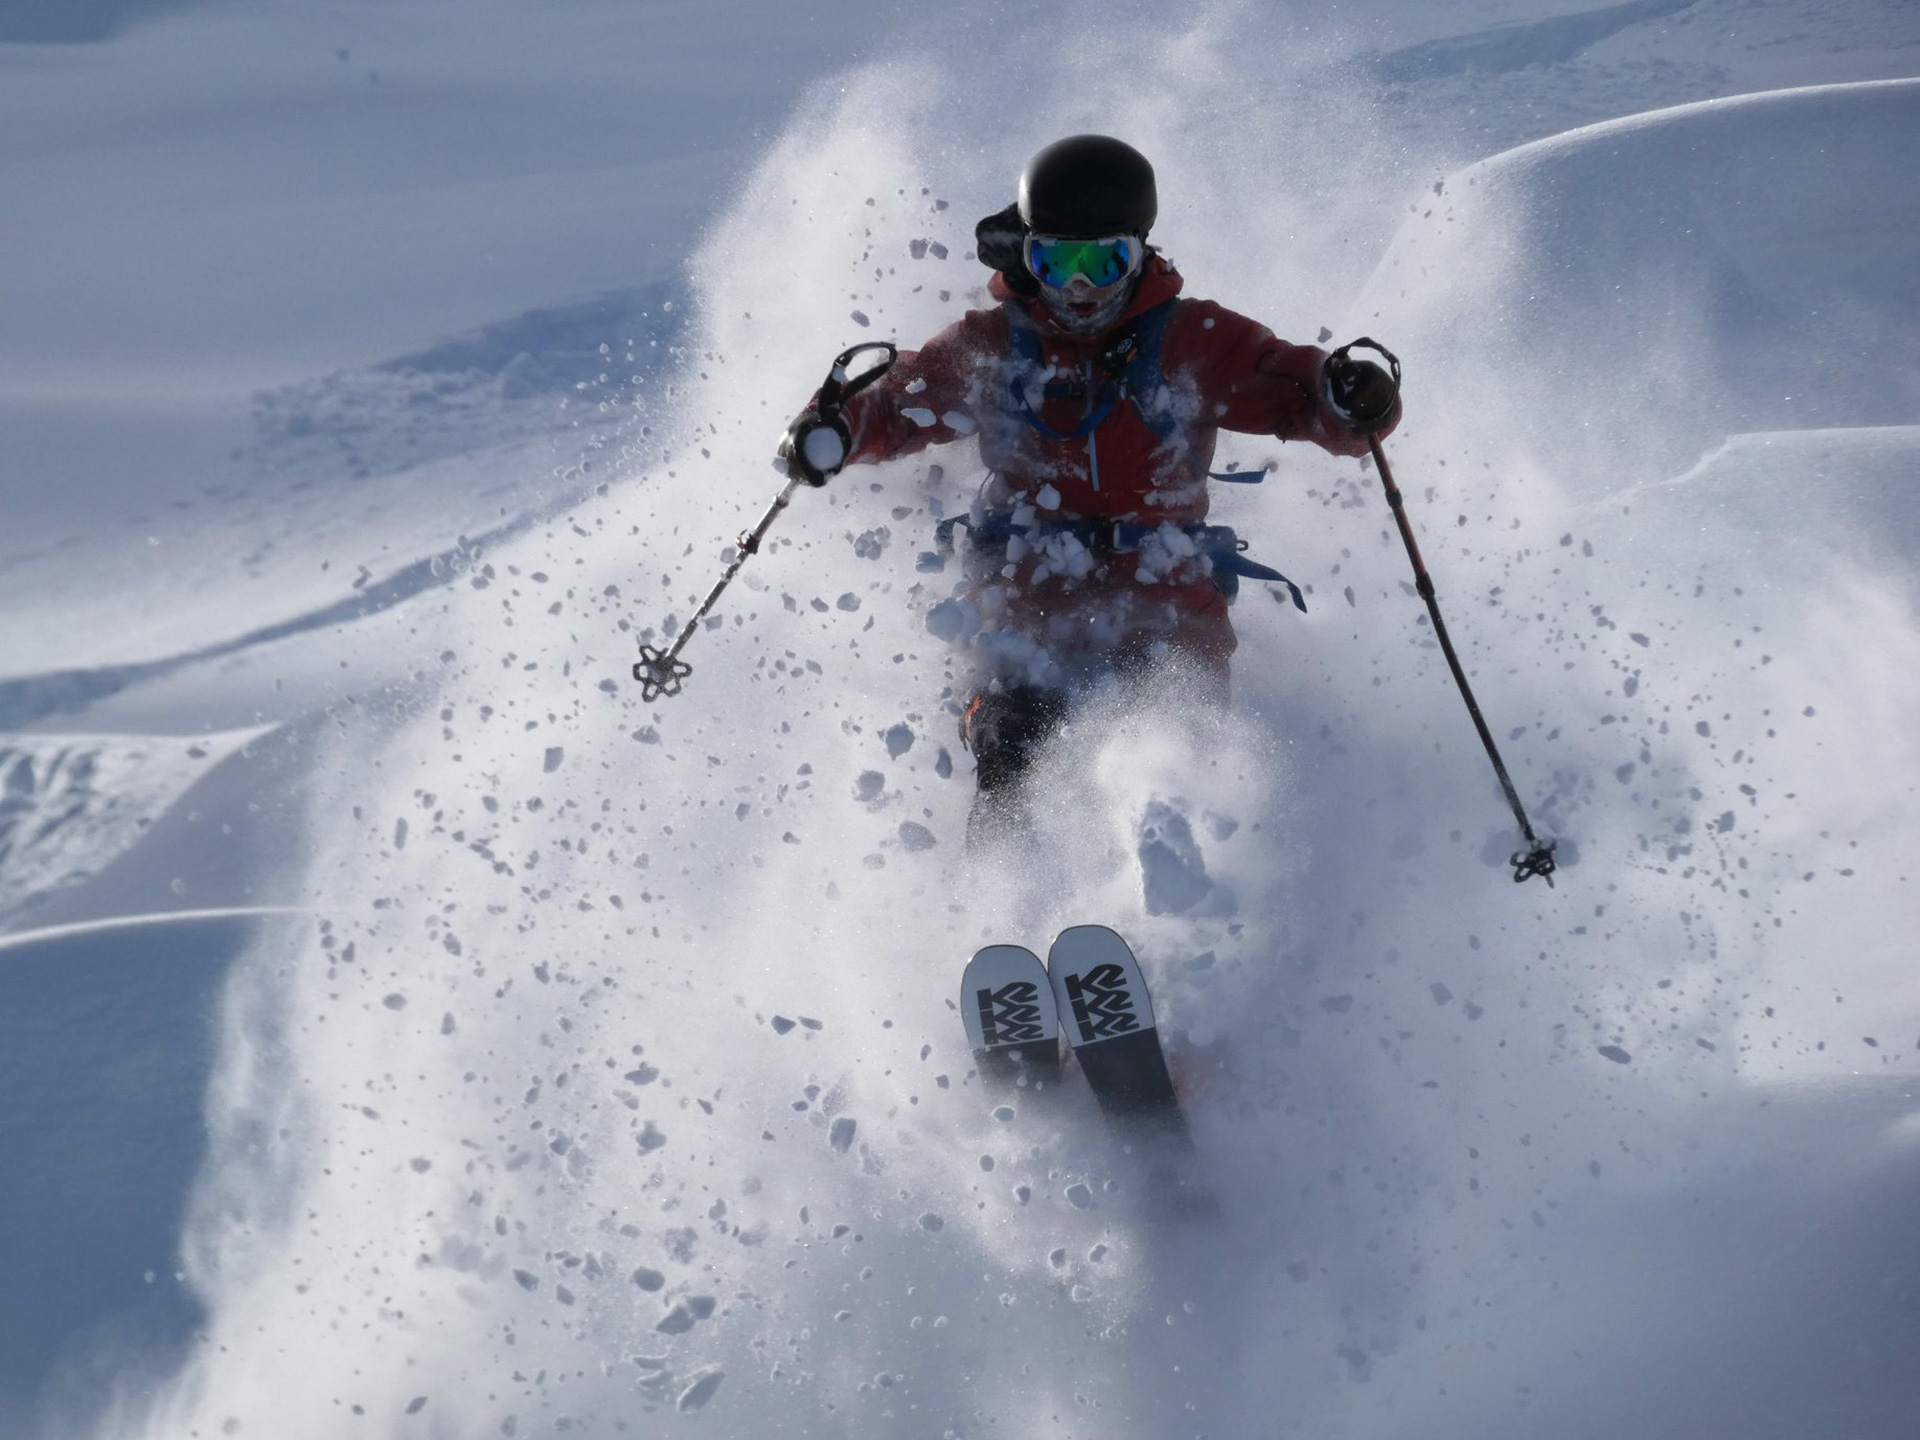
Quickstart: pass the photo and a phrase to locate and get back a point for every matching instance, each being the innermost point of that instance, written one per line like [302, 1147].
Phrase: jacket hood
[1159, 282]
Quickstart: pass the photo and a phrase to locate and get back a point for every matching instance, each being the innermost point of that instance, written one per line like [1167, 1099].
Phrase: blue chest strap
[1129, 369]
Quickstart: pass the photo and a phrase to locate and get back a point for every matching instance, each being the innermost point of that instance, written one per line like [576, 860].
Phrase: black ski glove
[815, 446]
[1361, 391]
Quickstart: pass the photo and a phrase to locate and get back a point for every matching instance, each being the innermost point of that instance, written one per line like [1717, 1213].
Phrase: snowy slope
[615, 1087]
[108, 1035]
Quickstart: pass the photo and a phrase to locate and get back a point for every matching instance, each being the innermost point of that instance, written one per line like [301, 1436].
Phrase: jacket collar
[1159, 282]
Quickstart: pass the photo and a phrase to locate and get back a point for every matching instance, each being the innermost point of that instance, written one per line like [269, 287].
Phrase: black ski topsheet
[1107, 1015]
[1006, 1003]
[1108, 1018]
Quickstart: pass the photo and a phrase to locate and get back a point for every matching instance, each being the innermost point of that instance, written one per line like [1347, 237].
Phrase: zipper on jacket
[1093, 451]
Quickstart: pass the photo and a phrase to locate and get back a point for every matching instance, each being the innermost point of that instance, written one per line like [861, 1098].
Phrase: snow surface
[404, 1031]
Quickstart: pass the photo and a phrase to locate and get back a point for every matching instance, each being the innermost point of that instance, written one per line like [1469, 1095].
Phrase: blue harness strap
[1219, 543]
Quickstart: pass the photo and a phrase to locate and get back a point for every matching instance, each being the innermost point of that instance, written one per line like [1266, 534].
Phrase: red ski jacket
[1219, 371]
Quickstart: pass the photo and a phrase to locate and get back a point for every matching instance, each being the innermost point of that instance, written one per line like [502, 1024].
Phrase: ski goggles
[1103, 262]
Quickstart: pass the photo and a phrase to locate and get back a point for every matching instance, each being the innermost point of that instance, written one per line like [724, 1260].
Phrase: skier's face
[1086, 308]
[1086, 283]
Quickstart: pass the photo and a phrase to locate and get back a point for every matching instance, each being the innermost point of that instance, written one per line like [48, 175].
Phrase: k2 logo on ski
[1102, 1003]
[1011, 1014]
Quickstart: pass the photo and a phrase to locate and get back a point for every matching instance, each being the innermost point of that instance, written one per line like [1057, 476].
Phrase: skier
[1097, 393]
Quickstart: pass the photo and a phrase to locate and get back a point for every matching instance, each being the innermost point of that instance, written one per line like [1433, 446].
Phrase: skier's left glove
[815, 446]
[1361, 391]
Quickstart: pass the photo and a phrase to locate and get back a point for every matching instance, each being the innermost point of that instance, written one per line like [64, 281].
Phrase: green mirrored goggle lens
[1104, 262]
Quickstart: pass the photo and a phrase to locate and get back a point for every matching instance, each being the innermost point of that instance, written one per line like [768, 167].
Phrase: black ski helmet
[1087, 186]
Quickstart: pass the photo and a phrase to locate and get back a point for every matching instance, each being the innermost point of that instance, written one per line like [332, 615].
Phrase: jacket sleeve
[933, 395]
[1251, 381]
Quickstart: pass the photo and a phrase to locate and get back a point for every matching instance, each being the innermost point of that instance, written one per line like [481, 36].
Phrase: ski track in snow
[618, 1085]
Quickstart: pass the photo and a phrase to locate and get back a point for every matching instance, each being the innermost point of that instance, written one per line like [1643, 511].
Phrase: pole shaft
[746, 545]
[1423, 582]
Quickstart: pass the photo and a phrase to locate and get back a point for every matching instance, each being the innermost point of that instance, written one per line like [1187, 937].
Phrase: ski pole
[1537, 859]
[661, 671]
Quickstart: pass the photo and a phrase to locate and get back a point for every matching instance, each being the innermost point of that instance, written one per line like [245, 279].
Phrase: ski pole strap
[1537, 859]
[838, 388]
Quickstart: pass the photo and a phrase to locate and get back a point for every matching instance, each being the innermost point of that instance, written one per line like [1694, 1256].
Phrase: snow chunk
[953, 621]
[824, 449]
[1172, 871]
[700, 1391]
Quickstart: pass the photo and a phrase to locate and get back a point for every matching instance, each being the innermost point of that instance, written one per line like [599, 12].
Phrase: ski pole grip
[1340, 359]
[838, 388]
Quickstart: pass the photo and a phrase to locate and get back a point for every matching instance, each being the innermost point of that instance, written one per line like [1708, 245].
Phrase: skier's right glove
[815, 446]
[1361, 391]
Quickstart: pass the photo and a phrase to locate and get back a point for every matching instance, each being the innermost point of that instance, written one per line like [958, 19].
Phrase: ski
[1107, 1014]
[1015, 1010]
[1006, 1002]
[1108, 1017]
